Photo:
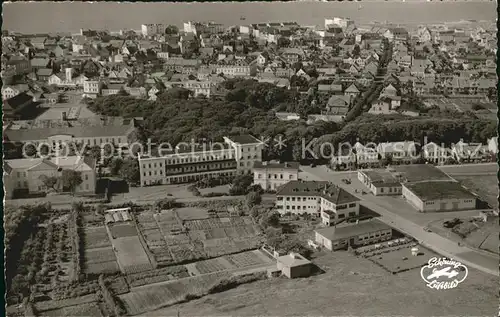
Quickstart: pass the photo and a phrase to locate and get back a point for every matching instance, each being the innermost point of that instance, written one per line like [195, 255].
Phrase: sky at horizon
[39, 17]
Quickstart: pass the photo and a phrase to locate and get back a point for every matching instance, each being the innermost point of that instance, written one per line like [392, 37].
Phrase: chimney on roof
[264, 163]
[286, 164]
[64, 116]
[69, 74]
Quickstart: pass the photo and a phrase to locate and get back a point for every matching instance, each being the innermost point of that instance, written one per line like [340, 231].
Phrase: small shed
[294, 265]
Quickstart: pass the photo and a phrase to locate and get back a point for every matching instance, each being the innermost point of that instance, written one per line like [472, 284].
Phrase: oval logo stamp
[443, 273]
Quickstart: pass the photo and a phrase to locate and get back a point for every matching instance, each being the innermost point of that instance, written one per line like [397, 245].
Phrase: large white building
[91, 88]
[324, 199]
[439, 196]
[338, 21]
[270, 175]
[26, 175]
[189, 163]
[151, 29]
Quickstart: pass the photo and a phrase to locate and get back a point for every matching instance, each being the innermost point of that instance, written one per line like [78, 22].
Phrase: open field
[151, 297]
[349, 286]
[96, 237]
[485, 186]
[131, 255]
[88, 309]
[479, 235]
[191, 213]
[223, 189]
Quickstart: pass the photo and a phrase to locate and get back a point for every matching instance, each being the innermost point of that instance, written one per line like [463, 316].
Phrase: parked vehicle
[427, 229]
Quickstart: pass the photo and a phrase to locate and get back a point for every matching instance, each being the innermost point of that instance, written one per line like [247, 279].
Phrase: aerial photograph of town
[306, 158]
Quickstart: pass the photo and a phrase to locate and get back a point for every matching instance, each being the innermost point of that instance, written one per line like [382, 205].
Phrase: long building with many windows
[191, 163]
[324, 199]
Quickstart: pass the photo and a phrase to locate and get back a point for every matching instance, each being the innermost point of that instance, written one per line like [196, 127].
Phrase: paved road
[398, 214]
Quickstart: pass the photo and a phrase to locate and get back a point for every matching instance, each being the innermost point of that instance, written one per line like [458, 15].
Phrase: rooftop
[326, 190]
[293, 259]
[429, 191]
[271, 165]
[420, 172]
[352, 230]
[77, 132]
[244, 139]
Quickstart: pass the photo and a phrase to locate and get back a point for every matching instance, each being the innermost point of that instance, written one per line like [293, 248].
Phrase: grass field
[102, 268]
[151, 297]
[131, 255]
[190, 213]
[349, 286]
[52, 305]
[484, 236]
[122, 230]
[223, 189]
[88, 309]
[393, 260]
[96, 237]
[485, 186]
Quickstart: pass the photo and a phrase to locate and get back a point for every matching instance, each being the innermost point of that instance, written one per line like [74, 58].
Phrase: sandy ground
[349, 286]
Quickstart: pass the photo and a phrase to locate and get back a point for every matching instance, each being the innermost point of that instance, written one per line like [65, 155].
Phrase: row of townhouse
[408, 151]
[461, 152]
[404, 152]
[188, 163]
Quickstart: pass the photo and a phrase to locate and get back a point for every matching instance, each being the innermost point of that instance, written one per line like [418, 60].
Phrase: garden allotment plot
[99, 255]
[129, 251]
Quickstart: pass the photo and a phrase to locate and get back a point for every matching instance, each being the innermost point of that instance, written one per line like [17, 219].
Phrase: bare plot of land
[122, 230]
[131, 255]
[349, 286]
[485, 186]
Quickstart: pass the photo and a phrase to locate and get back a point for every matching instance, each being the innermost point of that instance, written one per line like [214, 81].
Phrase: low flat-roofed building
[419, 172]
[272, 175]
[380, 182]
[428, 196]
[354, 235]
[388, 181]
[294, 265]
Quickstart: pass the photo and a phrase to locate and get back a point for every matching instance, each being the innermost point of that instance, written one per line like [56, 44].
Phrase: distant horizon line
[306, 25]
